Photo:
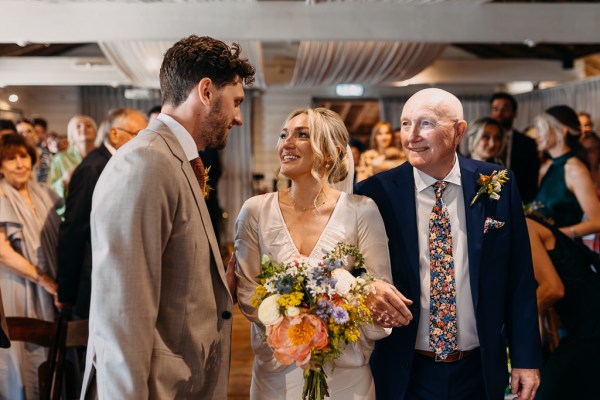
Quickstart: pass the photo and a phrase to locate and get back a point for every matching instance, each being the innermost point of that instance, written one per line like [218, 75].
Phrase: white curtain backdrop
[140, 60]
[365, 62]
[235, 185]
[581, 96]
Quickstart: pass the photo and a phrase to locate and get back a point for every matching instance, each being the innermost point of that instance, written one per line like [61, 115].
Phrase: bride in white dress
[309, 219]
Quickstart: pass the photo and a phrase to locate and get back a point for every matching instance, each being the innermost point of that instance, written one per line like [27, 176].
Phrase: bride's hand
[230, 275]
[388, 306]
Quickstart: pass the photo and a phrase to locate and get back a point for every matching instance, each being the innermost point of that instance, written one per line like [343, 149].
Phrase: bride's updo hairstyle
[328, 140]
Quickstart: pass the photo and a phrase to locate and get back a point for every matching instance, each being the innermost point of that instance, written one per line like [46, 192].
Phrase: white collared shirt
[110, 148]
[454, 199]
[183, 136]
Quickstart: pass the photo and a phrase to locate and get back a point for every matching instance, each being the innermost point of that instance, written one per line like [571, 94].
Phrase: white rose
[292, 311]
[268, 311]
[344, 281]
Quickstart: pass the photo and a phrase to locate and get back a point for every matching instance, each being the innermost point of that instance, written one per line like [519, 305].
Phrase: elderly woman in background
[383, 154]
[81, 133]
[567, 191]
[486, 140]
[28, 239]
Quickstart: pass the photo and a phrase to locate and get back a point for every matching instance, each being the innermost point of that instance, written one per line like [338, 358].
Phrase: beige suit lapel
[187, 170]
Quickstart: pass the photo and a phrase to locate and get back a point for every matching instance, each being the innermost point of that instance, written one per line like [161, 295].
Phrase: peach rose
[295, 337]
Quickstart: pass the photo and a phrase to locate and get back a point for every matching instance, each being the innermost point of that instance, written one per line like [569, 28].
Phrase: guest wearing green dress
[81, 133]
[567, 191]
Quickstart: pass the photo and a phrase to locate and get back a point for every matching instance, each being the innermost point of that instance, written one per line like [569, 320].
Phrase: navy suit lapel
[475, 222]
[406, 220]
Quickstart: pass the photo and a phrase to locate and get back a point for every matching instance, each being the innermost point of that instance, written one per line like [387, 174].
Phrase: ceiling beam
[59, 71]
[91, 21]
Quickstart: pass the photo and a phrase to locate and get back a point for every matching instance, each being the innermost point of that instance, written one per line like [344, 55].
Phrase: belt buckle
[437, 358]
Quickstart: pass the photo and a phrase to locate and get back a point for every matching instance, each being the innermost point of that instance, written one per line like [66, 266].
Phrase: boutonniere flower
[207, 187]
[491, 185]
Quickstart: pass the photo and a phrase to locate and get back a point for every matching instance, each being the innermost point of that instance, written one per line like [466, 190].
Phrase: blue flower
[340, 315]
[284, 284]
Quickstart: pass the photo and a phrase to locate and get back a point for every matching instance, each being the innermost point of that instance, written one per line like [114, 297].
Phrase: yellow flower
[352, 334]
[301, 333]
[491, 185]
[255, 301]
[293, 299]
[260, 291]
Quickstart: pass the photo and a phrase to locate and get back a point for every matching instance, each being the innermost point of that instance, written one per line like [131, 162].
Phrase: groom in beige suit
[160, 317]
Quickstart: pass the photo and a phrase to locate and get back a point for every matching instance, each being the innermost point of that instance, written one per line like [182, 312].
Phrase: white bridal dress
[261, 230]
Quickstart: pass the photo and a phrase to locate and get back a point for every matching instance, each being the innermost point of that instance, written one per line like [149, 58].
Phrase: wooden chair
[42, 333]
[57, 336]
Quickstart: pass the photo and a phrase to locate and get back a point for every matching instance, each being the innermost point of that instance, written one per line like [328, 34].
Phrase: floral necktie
[442, 304]
[198, 167]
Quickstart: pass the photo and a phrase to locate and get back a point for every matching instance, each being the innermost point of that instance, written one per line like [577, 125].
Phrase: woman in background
[567, 282]
[486, 140]
[28, 239]
[566, 191]
[382, 155]
[81, 134]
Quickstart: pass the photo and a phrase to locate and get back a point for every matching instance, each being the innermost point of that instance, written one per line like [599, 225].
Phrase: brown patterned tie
[198, 167]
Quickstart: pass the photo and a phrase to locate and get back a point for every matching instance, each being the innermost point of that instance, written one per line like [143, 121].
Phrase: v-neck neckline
[289, 235]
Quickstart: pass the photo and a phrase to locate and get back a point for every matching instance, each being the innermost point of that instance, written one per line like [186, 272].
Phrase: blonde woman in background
[486, 140]
[383, 154]
[81, 134]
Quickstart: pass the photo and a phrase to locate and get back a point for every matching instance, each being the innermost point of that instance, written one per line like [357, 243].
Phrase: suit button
[226, 314]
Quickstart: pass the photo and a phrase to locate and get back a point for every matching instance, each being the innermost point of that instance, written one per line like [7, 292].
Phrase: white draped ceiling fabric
[140, 60]
[364, 62]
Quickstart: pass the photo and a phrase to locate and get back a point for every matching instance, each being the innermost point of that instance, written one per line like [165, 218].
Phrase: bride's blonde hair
[328, 140]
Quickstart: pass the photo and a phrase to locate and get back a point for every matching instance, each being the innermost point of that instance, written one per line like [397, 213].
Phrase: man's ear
[206, 91]
[112, 136]
[461, 128]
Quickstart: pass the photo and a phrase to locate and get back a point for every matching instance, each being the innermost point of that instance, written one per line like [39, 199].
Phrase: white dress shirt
[183, 136]
[454, 199]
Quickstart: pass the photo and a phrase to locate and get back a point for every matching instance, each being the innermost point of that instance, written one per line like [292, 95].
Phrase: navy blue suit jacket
[501, 277]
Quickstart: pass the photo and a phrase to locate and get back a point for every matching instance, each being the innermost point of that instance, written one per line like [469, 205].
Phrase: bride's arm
[248, 256]
[388, 305]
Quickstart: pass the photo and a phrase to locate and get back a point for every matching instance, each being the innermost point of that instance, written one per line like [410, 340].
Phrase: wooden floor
[241, 358]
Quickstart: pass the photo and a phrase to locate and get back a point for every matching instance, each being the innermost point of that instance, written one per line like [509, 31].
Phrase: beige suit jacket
[160, 316]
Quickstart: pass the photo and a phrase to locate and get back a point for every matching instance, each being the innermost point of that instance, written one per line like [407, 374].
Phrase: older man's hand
[388, 306]
[524, 383]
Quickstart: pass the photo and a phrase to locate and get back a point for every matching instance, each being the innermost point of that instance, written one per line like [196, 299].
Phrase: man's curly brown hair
[193, 58]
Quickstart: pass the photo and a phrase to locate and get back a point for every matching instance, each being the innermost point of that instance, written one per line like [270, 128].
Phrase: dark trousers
[459, 380]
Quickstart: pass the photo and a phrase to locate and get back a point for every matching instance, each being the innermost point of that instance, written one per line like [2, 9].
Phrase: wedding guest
[486, 140]
[357, 148]
[567, 191]
[27, 129]
[81, 134]
[308, 219]
[382, 155]
[74, 239]
[520, 153]
[591, 145]
[161, 308]
[568, 283]
[465, 258]
[28, 238]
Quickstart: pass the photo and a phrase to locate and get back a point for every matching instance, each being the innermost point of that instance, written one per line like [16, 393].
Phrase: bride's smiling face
[294, 149]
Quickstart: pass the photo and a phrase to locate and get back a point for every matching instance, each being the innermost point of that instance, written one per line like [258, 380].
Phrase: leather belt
[457, 355]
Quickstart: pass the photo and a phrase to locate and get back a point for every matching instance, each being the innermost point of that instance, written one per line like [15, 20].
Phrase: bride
[308, 219]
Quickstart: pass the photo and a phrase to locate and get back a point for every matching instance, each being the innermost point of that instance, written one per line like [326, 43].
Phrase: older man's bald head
[432, 126]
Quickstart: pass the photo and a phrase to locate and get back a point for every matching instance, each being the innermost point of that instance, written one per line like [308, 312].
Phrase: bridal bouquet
[312, 308]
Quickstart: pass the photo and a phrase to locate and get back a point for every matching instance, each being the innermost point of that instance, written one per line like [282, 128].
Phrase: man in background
[520, 154]
[74, 239]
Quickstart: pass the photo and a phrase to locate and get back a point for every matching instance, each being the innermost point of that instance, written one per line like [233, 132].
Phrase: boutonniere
[491, 184]
[207, 187]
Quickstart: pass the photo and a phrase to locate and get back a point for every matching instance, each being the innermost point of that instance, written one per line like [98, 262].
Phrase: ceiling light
[349, 90]
[13, 98]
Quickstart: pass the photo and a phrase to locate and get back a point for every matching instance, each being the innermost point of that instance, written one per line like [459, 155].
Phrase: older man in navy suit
[467, 266]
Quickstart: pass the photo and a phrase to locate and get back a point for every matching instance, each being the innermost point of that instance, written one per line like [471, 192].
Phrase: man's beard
[216, 127]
